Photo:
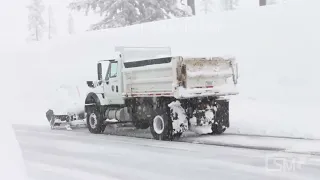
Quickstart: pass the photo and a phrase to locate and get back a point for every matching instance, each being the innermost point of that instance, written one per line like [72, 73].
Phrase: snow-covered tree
[120, 13]
[36, 24]
[206, 6]
[230, 4]
[51, 23]
[183, 4]
[70, 24]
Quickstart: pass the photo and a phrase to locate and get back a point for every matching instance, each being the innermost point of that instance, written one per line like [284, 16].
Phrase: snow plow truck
[148, 87]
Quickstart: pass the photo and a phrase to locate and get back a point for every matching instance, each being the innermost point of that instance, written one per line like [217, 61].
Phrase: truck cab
[112, 83]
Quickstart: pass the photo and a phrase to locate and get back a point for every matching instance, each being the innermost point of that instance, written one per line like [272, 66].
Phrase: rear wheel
[95, 121]
[217, 129]
[161, 126]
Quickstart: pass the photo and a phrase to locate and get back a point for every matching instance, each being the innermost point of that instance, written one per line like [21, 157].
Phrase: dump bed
[215, 76]
[181, 77]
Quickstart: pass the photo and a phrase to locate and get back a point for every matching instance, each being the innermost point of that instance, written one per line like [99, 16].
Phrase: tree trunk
[37, 36]
[262, 2]
[191, 3]
[49, 33]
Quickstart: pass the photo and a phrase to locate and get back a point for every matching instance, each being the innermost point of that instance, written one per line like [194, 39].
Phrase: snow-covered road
[77, 155]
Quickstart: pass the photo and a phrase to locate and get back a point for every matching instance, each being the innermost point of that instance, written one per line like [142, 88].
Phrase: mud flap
[222, 114]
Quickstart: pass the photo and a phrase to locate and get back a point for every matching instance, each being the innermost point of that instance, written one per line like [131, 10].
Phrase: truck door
[112, 86]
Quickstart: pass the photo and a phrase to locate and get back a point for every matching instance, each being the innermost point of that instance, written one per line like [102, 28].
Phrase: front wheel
[95, 121]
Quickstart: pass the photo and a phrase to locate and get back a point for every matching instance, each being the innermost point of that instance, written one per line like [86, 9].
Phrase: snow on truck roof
[130, 54]
[133, 54]
[208, 58]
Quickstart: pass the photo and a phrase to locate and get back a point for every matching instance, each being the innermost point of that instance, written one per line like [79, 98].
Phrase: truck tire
[161, 126]
[95, 121]
[217, 129]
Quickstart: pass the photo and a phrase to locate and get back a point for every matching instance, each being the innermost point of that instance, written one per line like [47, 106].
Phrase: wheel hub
[93, 120]
[158, 124]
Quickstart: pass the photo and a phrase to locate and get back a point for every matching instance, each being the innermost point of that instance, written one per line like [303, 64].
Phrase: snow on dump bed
[276, 47]
[142, 53]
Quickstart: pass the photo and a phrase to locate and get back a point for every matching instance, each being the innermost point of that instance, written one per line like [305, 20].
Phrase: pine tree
[52, 25]
[206, 6]
[183, 4]
[230, 4]
[120, 13]
[70, 24]
[36, 24]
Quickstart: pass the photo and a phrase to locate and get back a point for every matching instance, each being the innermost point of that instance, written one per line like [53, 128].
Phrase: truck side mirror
[99, 69]
[90, 84]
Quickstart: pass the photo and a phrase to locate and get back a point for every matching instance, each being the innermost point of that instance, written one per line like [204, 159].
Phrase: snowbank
[11, 164]
[277, 49]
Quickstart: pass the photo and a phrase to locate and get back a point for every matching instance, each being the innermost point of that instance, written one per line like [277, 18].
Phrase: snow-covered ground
[12, 164]
[78, 155]
[276, 47]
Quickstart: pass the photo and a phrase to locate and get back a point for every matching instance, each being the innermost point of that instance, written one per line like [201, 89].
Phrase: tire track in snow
[213, 140]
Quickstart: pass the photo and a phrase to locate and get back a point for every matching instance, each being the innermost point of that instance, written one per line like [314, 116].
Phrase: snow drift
[276, 47]
[12, 163]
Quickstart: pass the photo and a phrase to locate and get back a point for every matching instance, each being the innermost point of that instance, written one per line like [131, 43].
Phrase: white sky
[12, 21]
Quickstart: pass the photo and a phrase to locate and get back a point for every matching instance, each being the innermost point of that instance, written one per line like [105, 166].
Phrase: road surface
[79, 155]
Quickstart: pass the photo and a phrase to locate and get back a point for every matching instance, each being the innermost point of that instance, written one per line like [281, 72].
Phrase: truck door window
[113, 69]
